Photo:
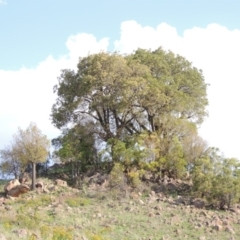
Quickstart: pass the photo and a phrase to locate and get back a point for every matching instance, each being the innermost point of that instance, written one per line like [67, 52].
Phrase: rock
[22, 233]
[225, 222]
[18, 190]
[25, 178]
[217, 227]
[128, 209]
[2, 237]
[8, 208]
[203, 213]
[64, 176]
[11, 184]
[11, 198]
[39, 185]
[153, 193]
[164, 238]
[198, 203]
[61, 183]
[134, 195]
[235, 210]
[180, 200]
[98, 179]
[45, 190]
[150, 214]
[177, 231]
[230, 230]
[217, 221]
[2, 201]
[174, 220]
[158, 208]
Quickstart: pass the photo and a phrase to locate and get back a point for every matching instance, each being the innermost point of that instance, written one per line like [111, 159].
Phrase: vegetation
[29, 146]
[76, 145]
[141, 111]
[103, 215]
[145, 103]
[134, 118]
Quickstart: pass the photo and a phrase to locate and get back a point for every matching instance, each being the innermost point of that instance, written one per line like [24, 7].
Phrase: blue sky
[31, 30]
[40, 37]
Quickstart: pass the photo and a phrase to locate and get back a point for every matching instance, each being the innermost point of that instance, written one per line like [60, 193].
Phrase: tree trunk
[33, 175]
[72, 169]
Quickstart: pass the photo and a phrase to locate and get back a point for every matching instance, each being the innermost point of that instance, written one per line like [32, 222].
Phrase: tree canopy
[147, 91]
[130, 94]
[29, 146]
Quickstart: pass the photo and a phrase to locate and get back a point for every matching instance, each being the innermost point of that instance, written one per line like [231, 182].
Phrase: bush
[134, 179]
[117, 176]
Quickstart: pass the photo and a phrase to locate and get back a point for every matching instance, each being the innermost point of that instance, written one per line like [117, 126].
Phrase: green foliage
[175, 161]
[226, 183]
[7, 225]
[203, 174]
[33, 237]
[31, 145]
[95, 237]
[58, 233]
[42, 200]
[77, 201]
[62, 233]
[117, 177]
[134, 178]
[217, 178]
[145, 108]
[128, 95]
[10, 163]
[27, 221]
[127, 151]
[76, 145]
[176, 85]
[45, 230]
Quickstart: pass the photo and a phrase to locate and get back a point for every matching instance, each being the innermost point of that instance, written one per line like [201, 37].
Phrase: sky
[39, 38]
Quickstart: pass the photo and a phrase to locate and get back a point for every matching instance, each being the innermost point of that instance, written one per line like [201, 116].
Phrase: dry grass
[66, 214]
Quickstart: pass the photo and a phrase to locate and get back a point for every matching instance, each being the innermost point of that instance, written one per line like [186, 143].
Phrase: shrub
[117, 176]
[134, 179]
[77, 201]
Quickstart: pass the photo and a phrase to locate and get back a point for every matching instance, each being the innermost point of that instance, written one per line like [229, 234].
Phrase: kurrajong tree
[128, 95]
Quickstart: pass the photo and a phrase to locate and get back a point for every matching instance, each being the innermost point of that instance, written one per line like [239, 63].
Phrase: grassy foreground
[67, 213]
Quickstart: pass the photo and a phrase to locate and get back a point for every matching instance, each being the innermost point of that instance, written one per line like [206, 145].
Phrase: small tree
[32, 147]
[9, 162]
[76, 145]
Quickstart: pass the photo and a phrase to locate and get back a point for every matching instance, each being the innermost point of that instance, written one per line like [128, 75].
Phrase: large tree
[128, 95]
[31, 147]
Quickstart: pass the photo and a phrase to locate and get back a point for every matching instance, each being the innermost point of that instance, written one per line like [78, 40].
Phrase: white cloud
[26, 95]
[3, 2]
[78, 45]
[134, 36]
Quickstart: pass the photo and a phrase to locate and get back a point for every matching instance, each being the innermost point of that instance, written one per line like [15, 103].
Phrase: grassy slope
[66, 213]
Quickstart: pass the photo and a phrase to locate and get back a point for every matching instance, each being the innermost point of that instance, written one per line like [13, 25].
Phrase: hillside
[98, 212]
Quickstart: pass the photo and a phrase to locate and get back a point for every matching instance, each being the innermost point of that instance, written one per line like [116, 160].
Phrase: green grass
[67, 215]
